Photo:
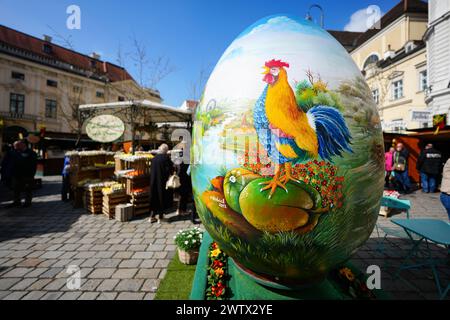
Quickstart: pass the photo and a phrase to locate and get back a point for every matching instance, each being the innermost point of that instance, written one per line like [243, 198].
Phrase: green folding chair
[392, 231]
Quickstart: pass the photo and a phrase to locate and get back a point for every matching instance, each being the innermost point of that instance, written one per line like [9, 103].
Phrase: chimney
[47, 38]
[95, 56]
[405, 5]
[389, 53]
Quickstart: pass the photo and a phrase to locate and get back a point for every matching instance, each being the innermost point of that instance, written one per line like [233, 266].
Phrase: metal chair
[392, 203]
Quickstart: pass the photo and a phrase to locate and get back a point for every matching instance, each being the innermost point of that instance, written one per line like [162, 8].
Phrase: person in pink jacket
[388, 164]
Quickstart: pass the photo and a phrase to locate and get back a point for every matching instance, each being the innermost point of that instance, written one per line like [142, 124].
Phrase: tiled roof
[348, 39]
[31, 48]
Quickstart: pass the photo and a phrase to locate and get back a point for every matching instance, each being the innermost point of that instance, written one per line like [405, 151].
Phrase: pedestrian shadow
[43, 217]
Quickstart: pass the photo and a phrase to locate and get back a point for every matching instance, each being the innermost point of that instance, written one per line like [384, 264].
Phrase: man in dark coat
[429, 165]
[23, 171]
[160, 198]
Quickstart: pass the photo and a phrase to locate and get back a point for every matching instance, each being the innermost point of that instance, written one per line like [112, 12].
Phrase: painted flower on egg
[288, 153]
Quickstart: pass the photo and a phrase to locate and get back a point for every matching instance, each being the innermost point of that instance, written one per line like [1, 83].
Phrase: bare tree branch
[64, 41]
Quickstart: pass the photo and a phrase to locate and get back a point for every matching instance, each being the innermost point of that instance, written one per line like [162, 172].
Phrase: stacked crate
[113, 196]
[140, 199]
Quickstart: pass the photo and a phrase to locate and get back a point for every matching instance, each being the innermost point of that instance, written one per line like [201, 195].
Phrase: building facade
[42, 84]
[437, 38]
[393, 60]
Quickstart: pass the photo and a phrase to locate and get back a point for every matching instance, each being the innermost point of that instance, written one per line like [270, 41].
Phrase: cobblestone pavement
[128, 260]
[117, 260]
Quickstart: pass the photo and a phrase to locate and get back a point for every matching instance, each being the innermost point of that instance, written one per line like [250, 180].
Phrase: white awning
[157, 112]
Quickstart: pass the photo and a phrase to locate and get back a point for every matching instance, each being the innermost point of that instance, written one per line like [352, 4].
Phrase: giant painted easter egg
[287, 153]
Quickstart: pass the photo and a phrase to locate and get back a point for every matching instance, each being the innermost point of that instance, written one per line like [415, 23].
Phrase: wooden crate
[124, 212]
[93, 200]
[139, 182]
[110, 201]
[141, 203]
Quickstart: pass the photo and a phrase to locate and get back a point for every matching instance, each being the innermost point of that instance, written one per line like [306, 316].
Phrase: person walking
[7, 166]
[388, 165]
[160, 198]
[429, 165]
[445, 187]
[24, 169]
[401, 155]
[65, 188]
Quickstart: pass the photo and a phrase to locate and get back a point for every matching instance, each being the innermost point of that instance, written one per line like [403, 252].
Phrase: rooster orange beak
[266, 70]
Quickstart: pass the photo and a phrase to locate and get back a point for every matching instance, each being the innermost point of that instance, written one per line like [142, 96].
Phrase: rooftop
[45, 52]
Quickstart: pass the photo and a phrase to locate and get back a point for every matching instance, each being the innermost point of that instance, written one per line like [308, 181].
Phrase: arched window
[373, 58]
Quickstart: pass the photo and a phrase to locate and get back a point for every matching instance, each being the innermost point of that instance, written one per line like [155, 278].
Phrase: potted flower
[188, 243]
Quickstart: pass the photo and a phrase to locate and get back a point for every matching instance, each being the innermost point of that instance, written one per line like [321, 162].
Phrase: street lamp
[309, 16]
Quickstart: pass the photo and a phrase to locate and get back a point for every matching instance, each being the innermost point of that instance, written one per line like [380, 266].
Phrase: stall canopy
[153, 111]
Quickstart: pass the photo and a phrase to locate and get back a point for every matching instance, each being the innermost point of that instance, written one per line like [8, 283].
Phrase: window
[373, 58]
[50, 109]
[397, 89]
[77, 89]
[17, 75]
[52, 83]
[47, 48]
[120, 98]
[423, 81]
[398, 125]
[100, 94]
[16, 103]
[376, 96]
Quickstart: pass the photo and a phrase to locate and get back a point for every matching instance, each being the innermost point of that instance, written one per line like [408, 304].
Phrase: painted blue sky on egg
[302, 44]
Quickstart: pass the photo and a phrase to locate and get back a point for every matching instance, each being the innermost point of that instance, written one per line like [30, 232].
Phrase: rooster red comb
[276, 64]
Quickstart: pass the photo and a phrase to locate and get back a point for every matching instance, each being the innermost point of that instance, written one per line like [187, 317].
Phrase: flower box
[188, 257]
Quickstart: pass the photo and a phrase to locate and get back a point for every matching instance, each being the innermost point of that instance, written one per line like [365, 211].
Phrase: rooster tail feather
[332, 132]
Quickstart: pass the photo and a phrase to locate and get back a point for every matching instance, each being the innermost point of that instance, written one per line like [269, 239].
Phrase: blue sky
[193, 34]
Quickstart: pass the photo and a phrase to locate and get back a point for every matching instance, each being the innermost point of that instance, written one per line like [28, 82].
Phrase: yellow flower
[215, 252]
[219, 272]
[347, 273]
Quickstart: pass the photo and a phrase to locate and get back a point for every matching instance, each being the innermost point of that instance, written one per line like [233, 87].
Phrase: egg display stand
[243, 286]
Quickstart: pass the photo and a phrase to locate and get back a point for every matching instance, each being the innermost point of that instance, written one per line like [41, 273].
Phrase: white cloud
[363, 19]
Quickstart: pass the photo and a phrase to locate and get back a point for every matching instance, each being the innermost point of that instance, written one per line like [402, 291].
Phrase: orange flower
[219, 272]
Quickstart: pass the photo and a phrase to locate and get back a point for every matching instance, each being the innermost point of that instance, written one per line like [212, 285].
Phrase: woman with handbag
[161, 198]
[401, 155]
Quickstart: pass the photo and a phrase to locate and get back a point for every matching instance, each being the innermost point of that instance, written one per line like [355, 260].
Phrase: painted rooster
[290, 135]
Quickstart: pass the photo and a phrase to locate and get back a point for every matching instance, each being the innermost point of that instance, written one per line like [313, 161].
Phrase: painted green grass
[177, 283]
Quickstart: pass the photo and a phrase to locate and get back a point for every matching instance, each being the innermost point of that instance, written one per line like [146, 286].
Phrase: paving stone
[108, 285]
[131, 263]
[142, 255]
[16, 295]
[16, 272]
[149, 296]
[107, 296]
[52, 296]
[102, 273]
[123, 255]
[125, 273]
[55, 285]
[23, 284]
[50, 272]
[39, 284]
[90, 285]
[148, 263]
[108, 263]
[162, 263]
[34, 295]
[30, 262]
[151, 285]
[156, 247]
[148, 274]
[130, 296]
[89, 296]
[70, 295]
